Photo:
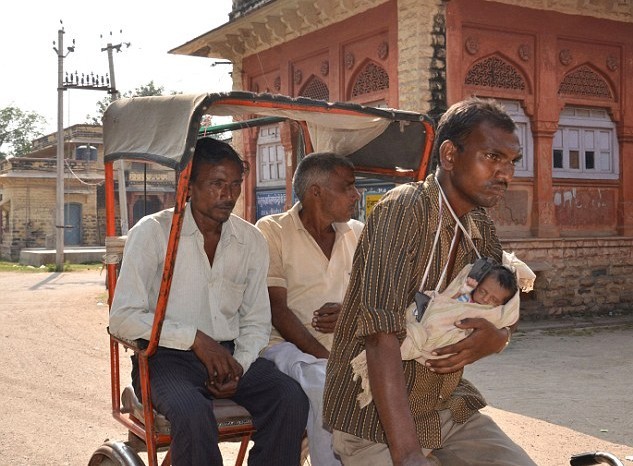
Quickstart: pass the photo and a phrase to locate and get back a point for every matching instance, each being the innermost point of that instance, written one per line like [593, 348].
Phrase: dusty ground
[556, 393]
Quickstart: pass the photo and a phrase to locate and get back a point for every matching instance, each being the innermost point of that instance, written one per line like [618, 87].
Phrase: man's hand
[224, 371]
[417, 459]
[484, 340]
[325, 317]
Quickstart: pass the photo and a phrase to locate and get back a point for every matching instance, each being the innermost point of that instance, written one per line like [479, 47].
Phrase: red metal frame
[146, 430]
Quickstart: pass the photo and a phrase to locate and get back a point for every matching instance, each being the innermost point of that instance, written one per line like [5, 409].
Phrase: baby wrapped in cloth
[437, 326]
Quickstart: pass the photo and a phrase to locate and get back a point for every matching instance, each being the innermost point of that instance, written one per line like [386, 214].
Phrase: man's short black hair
[214, 151]
[463, 117]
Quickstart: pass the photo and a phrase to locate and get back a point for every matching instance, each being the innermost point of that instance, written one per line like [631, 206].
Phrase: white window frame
[586, 130]
[270, 173]
[525, 167]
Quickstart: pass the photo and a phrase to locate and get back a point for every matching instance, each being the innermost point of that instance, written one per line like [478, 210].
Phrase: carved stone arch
[369, 79]
[497, 72]
[585, 81]
[315, 88]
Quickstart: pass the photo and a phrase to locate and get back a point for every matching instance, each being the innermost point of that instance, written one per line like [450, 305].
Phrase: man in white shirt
[216, 323]
[311, 249]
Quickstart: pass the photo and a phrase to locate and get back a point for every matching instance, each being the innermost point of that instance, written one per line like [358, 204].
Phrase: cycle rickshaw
[382, 143]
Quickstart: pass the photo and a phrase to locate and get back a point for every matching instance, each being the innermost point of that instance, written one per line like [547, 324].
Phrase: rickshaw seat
[228, 414]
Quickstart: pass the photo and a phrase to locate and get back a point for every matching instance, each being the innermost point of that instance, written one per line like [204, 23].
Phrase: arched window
[315, 89]
[371, 78]
[496, 73]
[585, 82]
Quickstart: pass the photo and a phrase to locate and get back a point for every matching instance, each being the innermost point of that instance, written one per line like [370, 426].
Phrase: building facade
[562, 68]
[28, 200]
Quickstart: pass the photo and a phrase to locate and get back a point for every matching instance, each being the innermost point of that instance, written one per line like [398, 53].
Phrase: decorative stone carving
[612, 63]
[372, 78]
[325, 68]
[316, 89]
[472, 45]
[585, 82]
[383, 50]
[277, 84]
[298, 76]
[524, 52]
[349, 60]
[495, 72]
[565, 57]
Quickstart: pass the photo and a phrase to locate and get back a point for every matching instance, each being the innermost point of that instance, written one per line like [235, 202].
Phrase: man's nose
[505, 171]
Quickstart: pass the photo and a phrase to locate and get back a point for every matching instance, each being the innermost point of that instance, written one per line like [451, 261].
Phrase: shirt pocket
[232, 296]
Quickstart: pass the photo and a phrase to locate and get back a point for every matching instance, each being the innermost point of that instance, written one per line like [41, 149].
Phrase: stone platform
[72, 255]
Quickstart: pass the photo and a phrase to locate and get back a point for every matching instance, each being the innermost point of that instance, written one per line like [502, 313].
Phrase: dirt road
[554, 393]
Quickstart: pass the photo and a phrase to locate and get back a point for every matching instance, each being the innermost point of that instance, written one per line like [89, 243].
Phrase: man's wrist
[507, 342]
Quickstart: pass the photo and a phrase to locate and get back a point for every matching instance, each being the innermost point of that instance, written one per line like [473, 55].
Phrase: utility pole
[89, 81]
[60, 226]
[121, 175]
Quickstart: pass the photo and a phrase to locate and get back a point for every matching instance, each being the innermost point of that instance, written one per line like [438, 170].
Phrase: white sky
[28, 75]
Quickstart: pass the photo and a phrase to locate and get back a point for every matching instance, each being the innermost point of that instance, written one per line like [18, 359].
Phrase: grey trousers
[477, 442]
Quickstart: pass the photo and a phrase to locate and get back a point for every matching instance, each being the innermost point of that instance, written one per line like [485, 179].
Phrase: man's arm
[290, 327]
[254, 309]
[132, 311]
[384, 365]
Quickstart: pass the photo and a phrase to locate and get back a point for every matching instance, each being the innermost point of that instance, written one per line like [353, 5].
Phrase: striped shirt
[388, 266]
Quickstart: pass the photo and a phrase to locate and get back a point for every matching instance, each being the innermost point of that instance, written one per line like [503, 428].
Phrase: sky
[28, 76]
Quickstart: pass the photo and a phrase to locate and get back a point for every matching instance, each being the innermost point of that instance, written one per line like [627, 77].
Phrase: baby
[495, 288]
[485, 290]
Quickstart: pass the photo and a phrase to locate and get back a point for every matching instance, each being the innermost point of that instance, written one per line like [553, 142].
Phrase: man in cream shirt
[311, 249]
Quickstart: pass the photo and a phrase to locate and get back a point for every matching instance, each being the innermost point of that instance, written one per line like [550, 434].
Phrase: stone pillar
[289, 133]
[543, 218]
[248, 150]
[625, 204]
[415, 52]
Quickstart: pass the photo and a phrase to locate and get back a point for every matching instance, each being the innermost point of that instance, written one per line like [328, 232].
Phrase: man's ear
[447, 155]
[314, 190]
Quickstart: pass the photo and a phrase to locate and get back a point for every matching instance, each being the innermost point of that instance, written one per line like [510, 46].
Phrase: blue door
[72, 219]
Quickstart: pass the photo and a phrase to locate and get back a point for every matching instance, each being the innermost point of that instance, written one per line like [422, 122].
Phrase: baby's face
[490, 292]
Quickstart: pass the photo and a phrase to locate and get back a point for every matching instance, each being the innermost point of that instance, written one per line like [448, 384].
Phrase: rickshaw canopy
[164, 129]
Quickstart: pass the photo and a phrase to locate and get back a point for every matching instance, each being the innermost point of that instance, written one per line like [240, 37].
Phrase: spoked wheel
[115, 454]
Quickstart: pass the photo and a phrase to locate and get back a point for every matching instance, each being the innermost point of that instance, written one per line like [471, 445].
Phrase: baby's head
[497, 287]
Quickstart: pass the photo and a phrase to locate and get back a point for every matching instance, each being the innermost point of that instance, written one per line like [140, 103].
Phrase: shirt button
[441, 397]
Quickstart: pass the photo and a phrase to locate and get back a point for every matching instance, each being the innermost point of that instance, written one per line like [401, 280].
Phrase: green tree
[146, 90]
[18, 128]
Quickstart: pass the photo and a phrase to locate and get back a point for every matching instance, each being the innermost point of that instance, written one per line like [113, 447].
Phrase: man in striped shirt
[424, 414]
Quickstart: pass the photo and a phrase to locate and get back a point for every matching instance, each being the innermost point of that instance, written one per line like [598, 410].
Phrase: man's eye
[491, 156]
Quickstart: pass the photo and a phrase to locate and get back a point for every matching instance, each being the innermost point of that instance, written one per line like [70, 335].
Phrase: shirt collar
[189, 226]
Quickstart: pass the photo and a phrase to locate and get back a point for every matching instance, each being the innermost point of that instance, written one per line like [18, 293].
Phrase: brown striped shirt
[389, 263]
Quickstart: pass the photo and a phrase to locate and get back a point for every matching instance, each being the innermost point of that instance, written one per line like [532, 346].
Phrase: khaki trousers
[477, 442]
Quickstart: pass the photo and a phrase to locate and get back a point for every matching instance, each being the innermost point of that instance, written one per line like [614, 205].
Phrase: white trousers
[309, 372]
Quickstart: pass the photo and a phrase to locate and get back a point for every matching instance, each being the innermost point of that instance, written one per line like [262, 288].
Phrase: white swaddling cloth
[437, 327]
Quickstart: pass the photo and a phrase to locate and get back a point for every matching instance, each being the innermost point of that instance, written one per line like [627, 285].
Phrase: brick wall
[577, 277]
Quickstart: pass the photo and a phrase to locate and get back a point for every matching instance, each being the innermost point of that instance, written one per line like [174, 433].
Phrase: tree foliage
[18, 128]
[148, 89]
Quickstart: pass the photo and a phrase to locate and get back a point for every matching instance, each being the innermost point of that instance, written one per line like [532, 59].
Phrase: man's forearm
[386, 378]
[293, 331]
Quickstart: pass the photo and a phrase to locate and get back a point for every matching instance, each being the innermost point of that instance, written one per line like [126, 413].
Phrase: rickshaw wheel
[115, 454]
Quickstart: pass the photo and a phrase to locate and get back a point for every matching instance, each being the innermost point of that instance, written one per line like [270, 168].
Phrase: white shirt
[226, 301]
[298, 264]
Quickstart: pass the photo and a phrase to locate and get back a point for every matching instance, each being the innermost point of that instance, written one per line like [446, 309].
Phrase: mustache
[498, 184]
